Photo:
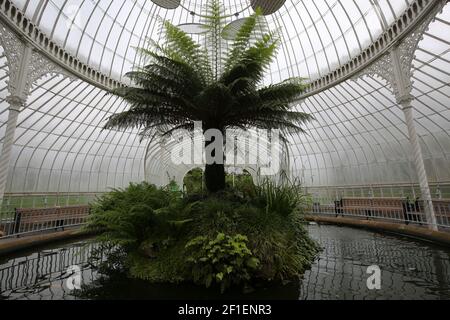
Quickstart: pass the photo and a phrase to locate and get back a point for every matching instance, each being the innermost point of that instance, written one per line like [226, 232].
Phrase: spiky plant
[184, 81]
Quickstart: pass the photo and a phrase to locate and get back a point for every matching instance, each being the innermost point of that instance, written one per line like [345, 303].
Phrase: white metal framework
[379, 74]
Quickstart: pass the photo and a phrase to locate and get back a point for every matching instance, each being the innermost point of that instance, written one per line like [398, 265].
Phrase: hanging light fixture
[193, 28]
[167, 4]
[268, 7]
[230, 31]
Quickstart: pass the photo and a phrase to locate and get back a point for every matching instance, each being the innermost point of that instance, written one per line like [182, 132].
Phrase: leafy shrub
[242, 183]
[139, 218]
[230, 239]
[212, 215]
[193, 182]
[224, 259]
[280, 242]
[282, 198]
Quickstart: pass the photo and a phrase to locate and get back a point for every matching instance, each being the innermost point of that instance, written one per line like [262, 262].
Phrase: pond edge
[14, 245]
[422, 233]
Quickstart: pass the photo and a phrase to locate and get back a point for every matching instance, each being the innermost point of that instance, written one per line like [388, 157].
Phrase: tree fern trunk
[215, 177]
[215, 173]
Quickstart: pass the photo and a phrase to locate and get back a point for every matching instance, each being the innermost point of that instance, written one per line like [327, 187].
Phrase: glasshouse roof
[366, 62]
[319, 36]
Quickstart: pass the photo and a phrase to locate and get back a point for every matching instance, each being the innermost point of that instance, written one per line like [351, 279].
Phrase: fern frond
[181, 47]
[242, 40]
[214, 23]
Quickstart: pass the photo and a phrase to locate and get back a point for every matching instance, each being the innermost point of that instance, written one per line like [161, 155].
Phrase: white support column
[16, 103]
[420, 165]
[403, 87]
[18, 88]
[396, 67]
[25, 67]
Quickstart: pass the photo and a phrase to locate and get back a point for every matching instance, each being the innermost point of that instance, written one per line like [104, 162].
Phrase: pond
[410, 269]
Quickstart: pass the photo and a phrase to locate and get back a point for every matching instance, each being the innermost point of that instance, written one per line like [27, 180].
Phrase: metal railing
[438, 191]
[23, 214]
[399, 210]
[326, 203]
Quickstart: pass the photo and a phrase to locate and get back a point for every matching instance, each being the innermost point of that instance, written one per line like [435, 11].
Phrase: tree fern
[183, 81]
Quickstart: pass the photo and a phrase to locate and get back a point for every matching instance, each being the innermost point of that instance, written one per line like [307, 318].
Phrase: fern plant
[183, 81]
[137, 217]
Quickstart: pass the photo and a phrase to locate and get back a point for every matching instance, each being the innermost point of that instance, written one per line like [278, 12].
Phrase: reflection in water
[410, 270]
[43, 275]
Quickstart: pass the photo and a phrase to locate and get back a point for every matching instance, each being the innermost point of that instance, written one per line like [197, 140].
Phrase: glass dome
[359, 141]
[318, 36]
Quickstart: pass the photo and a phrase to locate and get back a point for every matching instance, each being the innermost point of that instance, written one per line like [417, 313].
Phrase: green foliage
[214, 213]
[214, 22]
[174, 187]
[135, 215]
[182, 48]
[167, 267]
[225, 239]
[224, 259]
[193, 182]
[276, 235]
[242, 40]
[242, 183]
[283, 198]
[280, 243]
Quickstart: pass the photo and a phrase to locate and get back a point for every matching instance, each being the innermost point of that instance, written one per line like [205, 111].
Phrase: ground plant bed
[220, 240]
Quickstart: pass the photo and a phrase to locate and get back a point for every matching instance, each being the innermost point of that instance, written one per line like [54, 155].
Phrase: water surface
[410, 269]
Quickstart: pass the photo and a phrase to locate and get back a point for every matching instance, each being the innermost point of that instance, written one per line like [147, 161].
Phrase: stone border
[439, 237]
[13, 245]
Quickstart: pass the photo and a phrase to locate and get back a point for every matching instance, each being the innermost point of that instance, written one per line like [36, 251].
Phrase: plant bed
[222, 240]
